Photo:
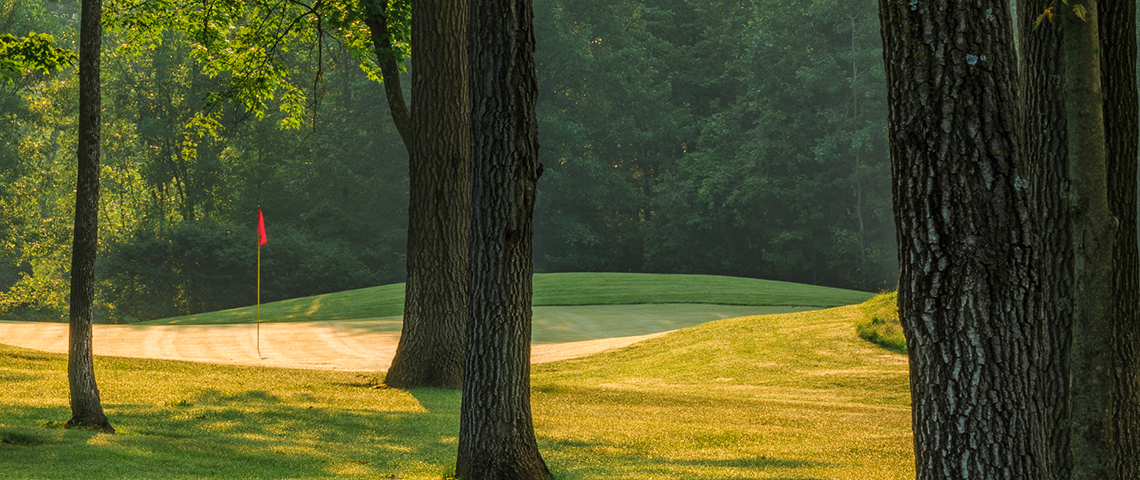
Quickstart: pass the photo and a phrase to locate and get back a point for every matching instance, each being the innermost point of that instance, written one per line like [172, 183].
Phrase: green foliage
[253, 46]
[37, 172]
[335, 196]
[200, 266]
[720, 137]
[606, 125]
[36, 51]
[190, 267]
[714, 137]
[782, 396]
[878, 322]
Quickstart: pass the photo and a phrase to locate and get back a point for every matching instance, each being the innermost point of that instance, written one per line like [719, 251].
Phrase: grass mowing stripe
[551, 289]
[781, 396]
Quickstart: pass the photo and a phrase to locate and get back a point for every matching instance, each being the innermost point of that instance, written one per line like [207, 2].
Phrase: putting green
[591, 322]
[550, 290]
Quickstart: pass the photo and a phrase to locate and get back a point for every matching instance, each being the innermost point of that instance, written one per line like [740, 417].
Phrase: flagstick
[259, 300]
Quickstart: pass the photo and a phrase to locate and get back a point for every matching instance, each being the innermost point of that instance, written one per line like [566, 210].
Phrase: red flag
[261, 228]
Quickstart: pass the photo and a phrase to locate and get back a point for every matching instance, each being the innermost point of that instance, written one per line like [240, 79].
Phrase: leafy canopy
[36, 52]
[251, 44]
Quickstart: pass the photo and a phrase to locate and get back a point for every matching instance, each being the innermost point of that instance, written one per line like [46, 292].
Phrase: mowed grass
[791, 396]
[879, 322]
[551, 289]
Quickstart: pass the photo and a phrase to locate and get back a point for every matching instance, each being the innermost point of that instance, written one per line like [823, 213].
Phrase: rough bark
[964, 231]
[86, 407]
[1118, 77]
[430, 353]
[1045, 158]
[496, 433]
[1093, 229]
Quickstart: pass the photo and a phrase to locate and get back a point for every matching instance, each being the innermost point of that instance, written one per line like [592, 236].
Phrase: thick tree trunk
[496, 434]
[430, 353]
[1093, 229]
[1118, 80]
[86, 407]
[1046, 159]
[964, 227]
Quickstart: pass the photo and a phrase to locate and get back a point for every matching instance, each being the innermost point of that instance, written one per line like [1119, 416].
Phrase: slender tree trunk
[1093, 237]
[966, 297]
[430, 353]
[496, 433]
[857, 175]
[1047, 153]
[86, 408]
[376, 17]
[1117, 22]
[1046, 159]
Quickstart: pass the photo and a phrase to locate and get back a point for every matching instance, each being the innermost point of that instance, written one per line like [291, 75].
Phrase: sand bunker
[312, 345]
[367, 345]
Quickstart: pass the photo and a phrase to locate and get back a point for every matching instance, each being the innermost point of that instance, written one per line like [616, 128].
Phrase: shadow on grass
[247, 434]
[440, 401]
[617, 461]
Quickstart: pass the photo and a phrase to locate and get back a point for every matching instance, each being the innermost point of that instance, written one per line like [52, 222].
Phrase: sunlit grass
[878, 322]
[553, 289]
[188, 420]
[792, 396]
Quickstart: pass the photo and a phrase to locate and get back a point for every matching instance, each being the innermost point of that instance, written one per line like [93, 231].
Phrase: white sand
[337, 345]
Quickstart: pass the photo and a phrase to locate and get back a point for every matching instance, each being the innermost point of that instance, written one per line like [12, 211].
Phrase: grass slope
[551, 289]
[880, 323]
[793, 396]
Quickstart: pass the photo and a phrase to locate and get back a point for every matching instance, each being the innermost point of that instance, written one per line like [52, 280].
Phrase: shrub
[202, 266]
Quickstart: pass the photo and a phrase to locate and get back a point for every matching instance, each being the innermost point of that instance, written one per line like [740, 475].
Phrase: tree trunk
[964, 231]
[430, 353]
[1093, 229]
[496, 434]
[86, 408]
[1046, 157]
[377, 20]
[1118, 76]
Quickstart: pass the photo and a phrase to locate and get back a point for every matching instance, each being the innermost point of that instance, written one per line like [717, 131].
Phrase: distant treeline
[735, 138]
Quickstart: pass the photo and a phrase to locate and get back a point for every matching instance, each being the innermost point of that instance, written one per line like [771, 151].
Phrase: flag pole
[260, 242]
[259, 296]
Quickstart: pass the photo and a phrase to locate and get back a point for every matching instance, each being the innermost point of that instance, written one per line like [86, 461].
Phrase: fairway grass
[791, 396]
[550, 289]
[879, 322]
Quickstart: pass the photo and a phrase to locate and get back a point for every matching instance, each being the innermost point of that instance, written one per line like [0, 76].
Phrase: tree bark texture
[86, 407]
[1118, 80]
[964, 235]
[1046, 162]
[376, 17]
[1093, 230]
[430, 353]
[496, 435]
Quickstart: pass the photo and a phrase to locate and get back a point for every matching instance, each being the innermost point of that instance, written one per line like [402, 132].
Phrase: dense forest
[719, 137]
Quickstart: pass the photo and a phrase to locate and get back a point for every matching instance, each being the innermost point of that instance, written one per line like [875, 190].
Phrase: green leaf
[1080, 11]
